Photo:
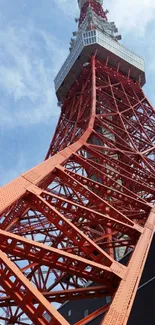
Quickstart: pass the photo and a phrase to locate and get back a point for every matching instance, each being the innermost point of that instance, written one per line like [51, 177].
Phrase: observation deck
[108, 49]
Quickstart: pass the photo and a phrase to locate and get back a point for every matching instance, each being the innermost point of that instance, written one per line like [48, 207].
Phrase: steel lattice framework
[68, 220]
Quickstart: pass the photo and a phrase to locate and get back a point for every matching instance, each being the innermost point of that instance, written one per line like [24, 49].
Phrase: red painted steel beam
[121, 306]
[14, 281]
[61, 296]
[52, 257]
[93, 315]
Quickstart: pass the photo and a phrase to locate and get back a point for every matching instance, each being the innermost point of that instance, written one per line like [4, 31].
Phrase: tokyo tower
[69, 221]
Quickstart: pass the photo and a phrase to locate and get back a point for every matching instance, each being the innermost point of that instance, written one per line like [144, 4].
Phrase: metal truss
[95, 6]
[70, 219]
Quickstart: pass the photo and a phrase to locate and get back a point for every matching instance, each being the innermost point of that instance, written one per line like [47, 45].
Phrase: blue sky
[34, 41]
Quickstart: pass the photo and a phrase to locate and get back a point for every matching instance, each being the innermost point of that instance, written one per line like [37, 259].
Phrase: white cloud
[132, 16]
[28, 66]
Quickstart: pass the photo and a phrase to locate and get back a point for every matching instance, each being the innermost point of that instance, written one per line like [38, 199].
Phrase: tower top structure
[95, 34]
[92, 16]
[95, 5]
[82, 2]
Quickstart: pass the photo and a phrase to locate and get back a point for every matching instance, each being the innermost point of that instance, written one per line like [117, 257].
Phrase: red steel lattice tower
[70, 219]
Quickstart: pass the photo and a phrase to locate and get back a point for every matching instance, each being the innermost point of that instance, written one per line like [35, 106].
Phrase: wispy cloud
[27, 68]
[69, 7]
